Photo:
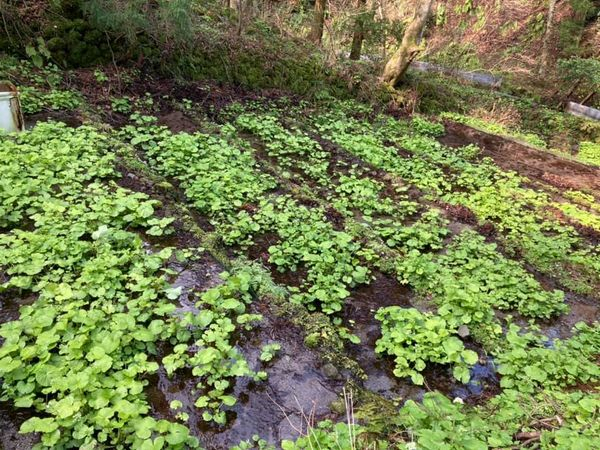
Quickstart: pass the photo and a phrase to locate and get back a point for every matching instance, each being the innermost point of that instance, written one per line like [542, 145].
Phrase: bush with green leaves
[584, 71]
[414, 338]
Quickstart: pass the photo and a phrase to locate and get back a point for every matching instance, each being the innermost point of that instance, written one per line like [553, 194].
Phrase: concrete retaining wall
[583, 111]
[474, 77]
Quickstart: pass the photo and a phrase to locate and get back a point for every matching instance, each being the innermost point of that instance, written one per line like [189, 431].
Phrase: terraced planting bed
[289, 275]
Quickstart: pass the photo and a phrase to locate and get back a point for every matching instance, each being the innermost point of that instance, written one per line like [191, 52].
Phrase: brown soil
[458, 212]
[11, 300]
[11, 419]
[210, 97]
[70, 118]
[178, 122]
[527, 161]
[586, 232]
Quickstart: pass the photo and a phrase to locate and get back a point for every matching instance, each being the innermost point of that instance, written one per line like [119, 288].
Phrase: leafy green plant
[100, 76]
[356, 192]
[472, 279]
[581, 70]
[416, 338]
[589, 152]
[121, 105]
[34, 101]
[427, 233]
[79, 355]
[440, 423]
[427, 128]
[580, 215]
[330, 436]
[255, 443]
[559, 420]
[38, 52]
[531, 361]
[269, 351]
[291, 147]
[331, 257]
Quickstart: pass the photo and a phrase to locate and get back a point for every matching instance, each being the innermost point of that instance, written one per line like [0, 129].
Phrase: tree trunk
[316, 32]
[240, 11]
[410, 48]
[547, 35]
[359, 32]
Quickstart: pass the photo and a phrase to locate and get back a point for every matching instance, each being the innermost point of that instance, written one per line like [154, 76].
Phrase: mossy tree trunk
[410, 47]
[547, 35]
[359, 32]
[316, 33]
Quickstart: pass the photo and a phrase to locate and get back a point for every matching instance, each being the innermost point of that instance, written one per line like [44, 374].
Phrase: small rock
[330, 371]
[338, 406]
[463, 331]
[381, 384]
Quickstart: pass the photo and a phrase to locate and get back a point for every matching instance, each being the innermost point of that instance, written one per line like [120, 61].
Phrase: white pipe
[11, 118]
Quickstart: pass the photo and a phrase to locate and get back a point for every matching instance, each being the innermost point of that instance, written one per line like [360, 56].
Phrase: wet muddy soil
[209, 97]
[298, 391]
[527, 161]
[11, 419]
[10, 302]
[581, 309]
[359, 315]
[195, 276]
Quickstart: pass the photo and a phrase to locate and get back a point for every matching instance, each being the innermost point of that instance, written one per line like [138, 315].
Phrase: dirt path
[535, 164]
